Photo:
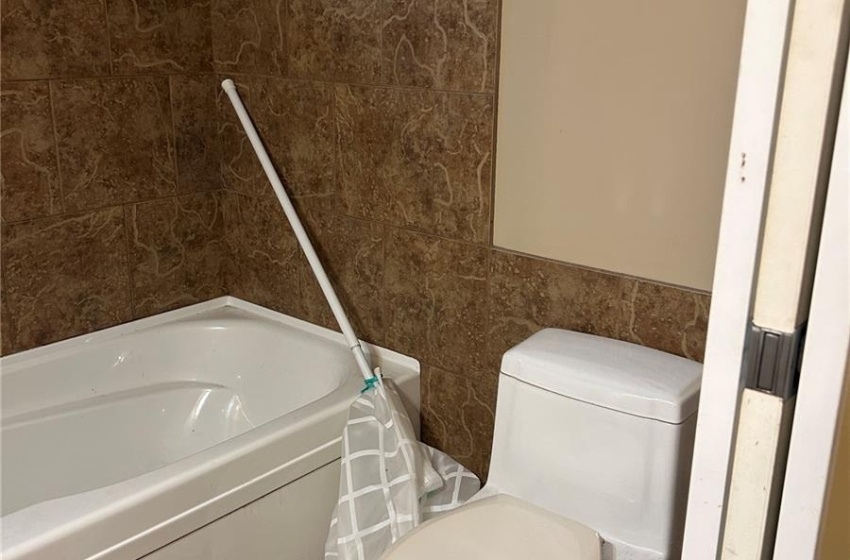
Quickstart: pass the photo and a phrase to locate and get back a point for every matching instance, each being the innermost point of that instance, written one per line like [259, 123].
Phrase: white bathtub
[118, 443]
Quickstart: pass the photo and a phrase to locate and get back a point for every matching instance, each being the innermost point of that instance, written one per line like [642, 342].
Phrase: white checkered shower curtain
[389, 482]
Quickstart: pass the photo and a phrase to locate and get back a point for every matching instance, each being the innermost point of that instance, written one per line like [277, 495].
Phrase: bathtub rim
[77, 343]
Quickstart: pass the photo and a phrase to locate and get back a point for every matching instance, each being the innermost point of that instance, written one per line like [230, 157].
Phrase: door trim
[822, 375]
[766, 29]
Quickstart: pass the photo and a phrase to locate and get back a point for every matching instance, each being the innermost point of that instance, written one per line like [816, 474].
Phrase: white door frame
[823, 368]
[766, 29]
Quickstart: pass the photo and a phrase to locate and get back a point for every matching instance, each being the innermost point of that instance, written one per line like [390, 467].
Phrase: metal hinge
[773, 360]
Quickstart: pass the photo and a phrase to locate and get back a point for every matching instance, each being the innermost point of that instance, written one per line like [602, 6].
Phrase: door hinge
[773, 360]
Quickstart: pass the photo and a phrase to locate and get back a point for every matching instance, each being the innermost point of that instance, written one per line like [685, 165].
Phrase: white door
[792, 70]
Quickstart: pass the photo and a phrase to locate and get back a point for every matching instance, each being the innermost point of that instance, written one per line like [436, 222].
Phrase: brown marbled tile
[458, 414]
[447, 45]
[249, 36]
[335, 40]
[666, 318]
[196, 132]
[66, 276]
[263, 264]
[53, 39]
[176, 252]
[416, 159]
[352, 252]
[294, 121]
[435, 300]
[529, 294]
[115, 140]
[29, 178]
[155, 36]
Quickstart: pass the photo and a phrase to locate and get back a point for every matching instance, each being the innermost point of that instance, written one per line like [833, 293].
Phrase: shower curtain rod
[301, 234]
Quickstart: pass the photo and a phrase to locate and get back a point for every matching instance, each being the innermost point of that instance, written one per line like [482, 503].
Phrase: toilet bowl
[591, 458]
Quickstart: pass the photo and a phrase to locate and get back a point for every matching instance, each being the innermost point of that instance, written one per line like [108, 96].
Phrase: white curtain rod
[300, 233]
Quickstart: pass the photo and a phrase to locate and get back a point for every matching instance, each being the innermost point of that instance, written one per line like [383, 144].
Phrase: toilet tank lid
[608, 373]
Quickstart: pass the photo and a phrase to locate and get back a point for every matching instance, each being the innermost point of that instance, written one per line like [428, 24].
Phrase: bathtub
[208, 432]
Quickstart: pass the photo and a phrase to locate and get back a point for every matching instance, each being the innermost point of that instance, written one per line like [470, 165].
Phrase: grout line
[10, 323]
[223, 241]
[116, 76]
[382, 298]
[382, 19]
[108, 33]
[59, 176]
[487, 322]
[130, 274]
[130, 75]
[174, 133]
[87, 210]
[228, 255]
[488, 93]
[495, 123]
[286, 60]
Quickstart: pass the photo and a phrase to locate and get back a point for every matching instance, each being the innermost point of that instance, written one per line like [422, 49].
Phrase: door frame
[818, 402]
[822, 374]
[760, 75]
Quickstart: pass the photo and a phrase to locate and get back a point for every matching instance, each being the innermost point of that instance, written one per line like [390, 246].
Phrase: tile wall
[129, 189]
[111, 199]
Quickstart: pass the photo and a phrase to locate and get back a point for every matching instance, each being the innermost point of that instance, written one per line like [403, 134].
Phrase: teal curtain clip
[370, 383]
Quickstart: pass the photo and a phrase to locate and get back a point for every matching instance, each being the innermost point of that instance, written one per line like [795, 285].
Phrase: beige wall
[613, 129]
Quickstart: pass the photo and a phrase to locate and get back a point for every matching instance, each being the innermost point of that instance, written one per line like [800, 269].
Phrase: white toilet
[591, 458]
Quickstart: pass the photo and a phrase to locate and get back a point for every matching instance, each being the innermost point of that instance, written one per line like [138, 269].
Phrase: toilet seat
[499, 527]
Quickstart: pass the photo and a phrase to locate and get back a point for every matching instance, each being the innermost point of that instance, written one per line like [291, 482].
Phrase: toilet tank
[600, 431]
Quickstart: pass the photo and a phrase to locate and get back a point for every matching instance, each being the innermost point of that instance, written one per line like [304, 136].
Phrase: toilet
[591, 458]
